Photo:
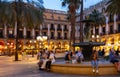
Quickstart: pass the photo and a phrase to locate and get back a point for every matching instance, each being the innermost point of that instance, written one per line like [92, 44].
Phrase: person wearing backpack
[67, 57]
[79, 56]
[114, 59]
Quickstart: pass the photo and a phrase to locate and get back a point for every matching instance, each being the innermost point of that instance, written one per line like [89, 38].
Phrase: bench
[83, 69]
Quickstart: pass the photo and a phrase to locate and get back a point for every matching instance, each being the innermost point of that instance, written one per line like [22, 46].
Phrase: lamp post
[40, 40]
[32, 46]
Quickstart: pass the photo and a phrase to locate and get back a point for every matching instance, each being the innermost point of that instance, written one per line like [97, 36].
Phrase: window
[1, 33]
[52, 35]
[111, 29]
[92, 32]
[96, 31]
[59, 35]
[44, 34]
[36, 33]
[65, 35]
[52, 26]
[65, 26]
[119, 27]
[20, 34]
[59, 26]
[10, 34]
[103, 30]
[28, 34]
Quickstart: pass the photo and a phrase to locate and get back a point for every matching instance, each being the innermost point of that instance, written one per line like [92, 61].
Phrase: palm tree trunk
[16, 39]
[18, 13]
[81, 25]
[95, 35]
[73, 30]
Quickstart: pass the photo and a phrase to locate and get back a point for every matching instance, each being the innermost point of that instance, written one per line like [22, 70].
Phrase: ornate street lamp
[95, 38]
[40, 40]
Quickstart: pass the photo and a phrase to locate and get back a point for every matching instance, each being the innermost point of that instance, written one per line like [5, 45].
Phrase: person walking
[94, 61]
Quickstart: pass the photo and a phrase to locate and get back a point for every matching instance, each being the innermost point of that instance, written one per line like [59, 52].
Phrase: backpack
[79, 59]
[66, 57]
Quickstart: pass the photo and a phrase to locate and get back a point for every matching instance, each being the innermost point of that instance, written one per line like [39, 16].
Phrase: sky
[56, 4]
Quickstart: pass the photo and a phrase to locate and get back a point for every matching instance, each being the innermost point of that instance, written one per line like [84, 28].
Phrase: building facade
[58, 31]
[55, 27]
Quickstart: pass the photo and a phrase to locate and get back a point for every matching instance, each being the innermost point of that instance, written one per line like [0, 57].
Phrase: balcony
[52, 28]
[65, 38]
[28, 37]
[59, 29]
[10, 36]
[45, 29]
[65, 29]
[59, 37]
[111, 32]
[52, 37]
[21, 36]
[103, 33]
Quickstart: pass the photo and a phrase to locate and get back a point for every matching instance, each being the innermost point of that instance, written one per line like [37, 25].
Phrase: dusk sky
[56, 4]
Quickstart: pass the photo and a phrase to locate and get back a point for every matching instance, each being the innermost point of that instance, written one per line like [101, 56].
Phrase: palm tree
[29, 12]
[96, 18]
[81, 25]
[73, 6]
[113, 7]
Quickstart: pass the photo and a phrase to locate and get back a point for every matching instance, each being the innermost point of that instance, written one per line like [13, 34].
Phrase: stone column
[5, 31]
[25, 35]
[5, 35]
[33, 33]
[94, 30]
[115, 26]
[48, 25]
[15, 29]
[69, 33]
[24, 32]
[62, 32]
[75, 31]
[100, 30]
[55, 31]
[40, 33]
[107, 27]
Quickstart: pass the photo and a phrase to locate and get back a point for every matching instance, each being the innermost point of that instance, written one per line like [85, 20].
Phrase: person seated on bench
[114, 59]
[79, 56]
[94, 61]
[67, 57]
[51, 59]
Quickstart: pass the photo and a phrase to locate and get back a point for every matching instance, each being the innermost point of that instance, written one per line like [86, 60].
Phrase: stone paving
[28, 68]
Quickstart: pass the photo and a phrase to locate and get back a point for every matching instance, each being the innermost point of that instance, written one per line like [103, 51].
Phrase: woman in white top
[51, 59]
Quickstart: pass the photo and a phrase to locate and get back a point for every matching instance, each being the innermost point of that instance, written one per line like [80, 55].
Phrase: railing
[59, 29]
[65, 29]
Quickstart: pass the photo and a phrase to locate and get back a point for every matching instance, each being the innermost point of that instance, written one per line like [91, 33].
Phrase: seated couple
[47, 59]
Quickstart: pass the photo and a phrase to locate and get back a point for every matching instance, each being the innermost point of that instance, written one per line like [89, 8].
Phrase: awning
[89, 44]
